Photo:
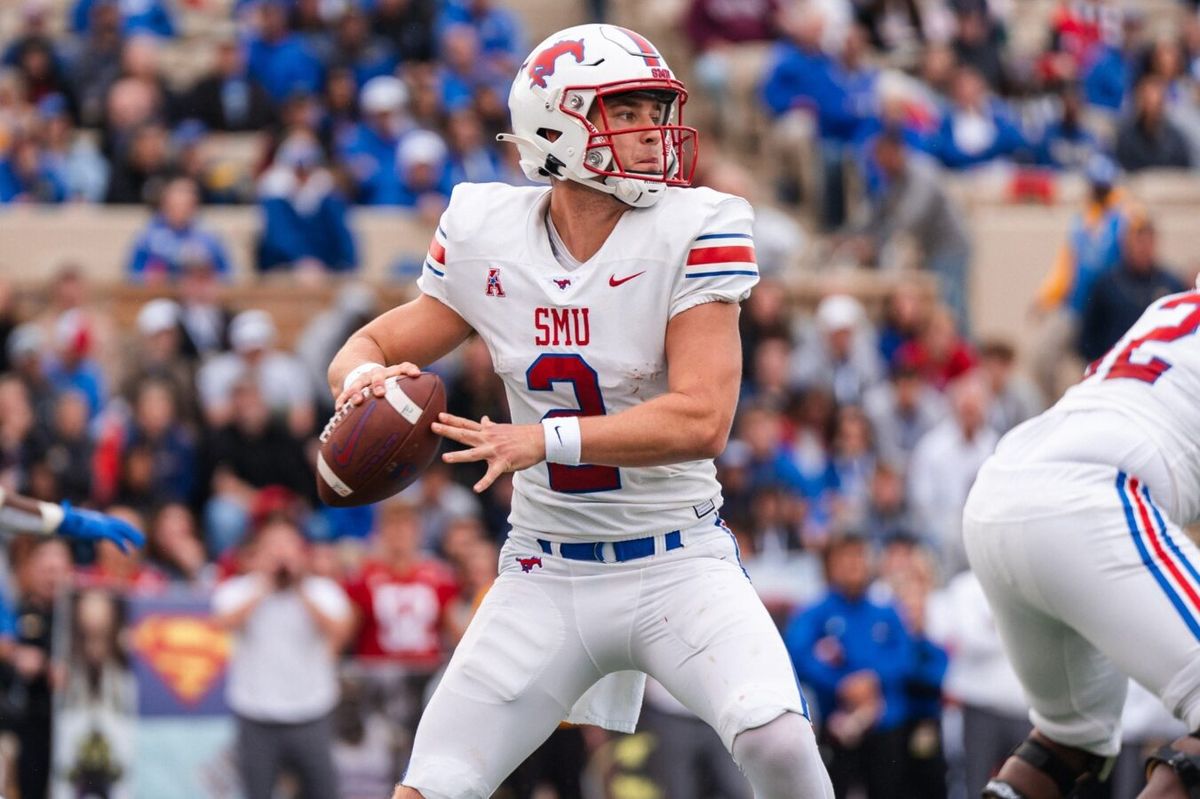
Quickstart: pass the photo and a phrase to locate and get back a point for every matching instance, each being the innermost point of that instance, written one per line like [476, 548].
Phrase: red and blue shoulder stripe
[720, 254]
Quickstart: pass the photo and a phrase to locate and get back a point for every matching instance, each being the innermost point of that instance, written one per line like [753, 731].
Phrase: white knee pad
[781, 760]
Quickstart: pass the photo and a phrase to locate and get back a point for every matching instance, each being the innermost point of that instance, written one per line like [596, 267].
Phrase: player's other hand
[374, 380]
[505, 447]
[88, 524]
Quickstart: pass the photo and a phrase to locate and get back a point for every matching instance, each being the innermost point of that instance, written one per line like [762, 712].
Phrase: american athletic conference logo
[494, 287]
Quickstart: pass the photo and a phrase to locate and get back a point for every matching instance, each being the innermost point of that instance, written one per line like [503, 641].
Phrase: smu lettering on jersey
[1152, 376]
[590, 341]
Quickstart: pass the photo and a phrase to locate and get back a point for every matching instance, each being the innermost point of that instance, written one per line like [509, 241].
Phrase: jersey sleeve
[719, 264]
[433, 272]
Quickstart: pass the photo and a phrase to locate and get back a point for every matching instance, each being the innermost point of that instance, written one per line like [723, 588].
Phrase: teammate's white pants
[1088, 581]
[542, 637]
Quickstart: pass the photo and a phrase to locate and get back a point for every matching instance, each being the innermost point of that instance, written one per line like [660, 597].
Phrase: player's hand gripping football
[505, 447]
[353, 393]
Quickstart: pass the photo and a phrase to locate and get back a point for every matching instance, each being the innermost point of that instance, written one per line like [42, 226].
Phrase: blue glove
[89, 524]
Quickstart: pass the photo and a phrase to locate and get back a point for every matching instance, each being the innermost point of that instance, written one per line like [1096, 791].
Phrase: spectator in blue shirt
[304, 217]
[174, 238]
[977, 128]
[369, 149]
[137, 16]
[1066, 143]
[498, 29]
[471, 159]
[279, 59]
[368, 55]
[73, 368]
[27, 175]
[855, 656]
[464, 72]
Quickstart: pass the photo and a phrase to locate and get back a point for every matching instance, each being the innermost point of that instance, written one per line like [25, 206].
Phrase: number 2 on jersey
[1123, 365]
[554, 368]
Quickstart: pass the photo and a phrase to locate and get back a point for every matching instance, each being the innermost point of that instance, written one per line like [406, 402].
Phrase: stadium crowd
[857, 436]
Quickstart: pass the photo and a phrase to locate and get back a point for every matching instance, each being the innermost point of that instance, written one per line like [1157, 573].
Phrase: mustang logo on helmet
[542, 64]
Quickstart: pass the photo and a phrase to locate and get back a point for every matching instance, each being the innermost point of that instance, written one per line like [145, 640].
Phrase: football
[373, 450]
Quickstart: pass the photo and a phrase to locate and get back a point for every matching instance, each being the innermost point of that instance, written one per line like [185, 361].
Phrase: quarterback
[609, 303]
[20, 514]
[1074, 530]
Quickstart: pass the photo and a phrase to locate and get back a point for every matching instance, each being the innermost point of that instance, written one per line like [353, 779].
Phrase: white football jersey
[590, 341]
[1152, 377]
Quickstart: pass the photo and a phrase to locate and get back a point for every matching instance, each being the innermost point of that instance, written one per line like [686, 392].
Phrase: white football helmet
[565, 79]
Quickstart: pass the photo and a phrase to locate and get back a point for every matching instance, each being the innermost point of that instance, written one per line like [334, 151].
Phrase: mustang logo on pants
[527, 564]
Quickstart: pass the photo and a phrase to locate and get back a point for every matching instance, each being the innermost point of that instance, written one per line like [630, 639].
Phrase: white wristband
[563, 440]
[359, 371]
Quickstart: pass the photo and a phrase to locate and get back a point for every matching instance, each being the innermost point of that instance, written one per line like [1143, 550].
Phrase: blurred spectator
[354, 306]
[779, 241]
[841, 355]
[288, 627]
[174, 548]
[42, 575]
[140, 172]
[940, 353]
[852, 462]
[274, 372]
[497, 28]
[978, 43]
[69, 290]
[16, 433]
[248, 453]
[158, 356]
[1066, 142]
[28, 368]
[229, 97]
[902, 410]
[8, 321]
[145, 16]
[422, 173]
[75, 160]
[280, 59]
[401, 594]
[61, 465]
[121, 571]
[976, 128]
[913, 204]
[73, 366]
[305, 227]
[358, 47]
[34, 16]
[203, 317]
[855, 656]
[41, 71]
[174, 237]
[369, 149]
[340, 107]
[408, 24]
[765, 315]
[441, 501]
[170, 447]
[1120, 295]
[138, 96]
[1015, 397]
[888, 515]
[1148, 139]
[771, 384]
[944, 466]
[979, 677]
[27, 175]
[464, 70]
[471, 160]
[1092, 247]
[1103, 60]
[96, 64]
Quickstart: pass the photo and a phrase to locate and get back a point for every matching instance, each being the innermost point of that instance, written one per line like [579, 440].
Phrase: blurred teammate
[20, 514]
[609, 304]
[1074, 530]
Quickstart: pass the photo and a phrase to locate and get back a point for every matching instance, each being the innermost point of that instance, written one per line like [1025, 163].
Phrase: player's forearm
[670, 428]
[360, 349]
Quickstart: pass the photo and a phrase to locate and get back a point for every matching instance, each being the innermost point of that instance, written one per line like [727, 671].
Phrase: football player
[609, 303]
[20, 514]
[1074, 528]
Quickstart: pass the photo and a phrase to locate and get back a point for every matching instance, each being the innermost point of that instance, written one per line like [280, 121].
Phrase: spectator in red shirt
[940, 354]
[401, 595]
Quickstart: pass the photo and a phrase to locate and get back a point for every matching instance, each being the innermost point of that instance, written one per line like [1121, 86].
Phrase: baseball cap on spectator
[839, 312]
[252, 330]
[420, 147]
[156, 316]
[1101, 170]
[383, 94]
[24, 341]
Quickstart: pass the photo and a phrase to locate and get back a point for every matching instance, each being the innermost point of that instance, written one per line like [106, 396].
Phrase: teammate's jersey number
[406, 615]
[570, 368]
[1123, 365]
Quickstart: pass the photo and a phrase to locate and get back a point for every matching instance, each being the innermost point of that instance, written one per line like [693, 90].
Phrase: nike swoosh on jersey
[614, 282]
